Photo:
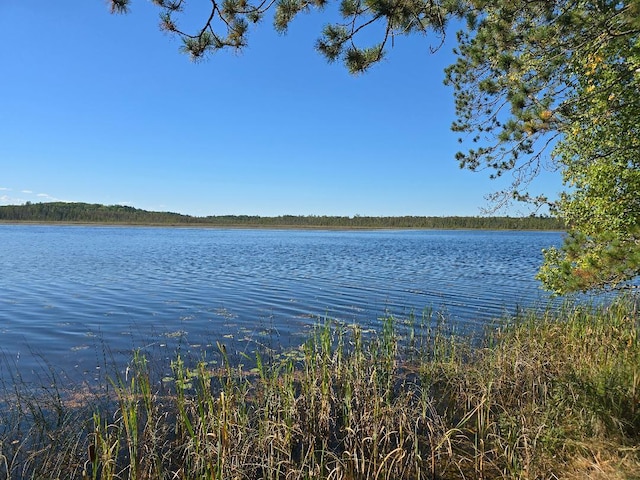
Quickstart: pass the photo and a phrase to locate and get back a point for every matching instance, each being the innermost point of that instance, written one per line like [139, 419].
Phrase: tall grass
[543, 395]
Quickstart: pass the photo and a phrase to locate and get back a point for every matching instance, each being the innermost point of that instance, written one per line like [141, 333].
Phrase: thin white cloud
[48, 197]
[8, 199]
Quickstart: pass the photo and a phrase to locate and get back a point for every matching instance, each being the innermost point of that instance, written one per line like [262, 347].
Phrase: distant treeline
[61, 212]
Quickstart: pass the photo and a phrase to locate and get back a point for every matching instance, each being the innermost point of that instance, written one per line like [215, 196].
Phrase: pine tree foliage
[557, 84]
[600, 158]
[228, 21]
[538, 84]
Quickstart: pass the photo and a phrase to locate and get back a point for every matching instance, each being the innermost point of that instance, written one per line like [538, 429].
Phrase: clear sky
[105, 109]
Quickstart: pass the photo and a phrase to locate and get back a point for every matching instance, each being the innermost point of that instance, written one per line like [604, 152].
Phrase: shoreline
[265, 227]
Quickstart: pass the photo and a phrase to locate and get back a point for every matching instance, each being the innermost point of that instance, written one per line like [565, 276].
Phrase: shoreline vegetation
[541, 395]
[84, 213]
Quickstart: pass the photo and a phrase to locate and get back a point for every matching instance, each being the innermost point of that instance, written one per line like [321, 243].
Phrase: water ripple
[73, 293]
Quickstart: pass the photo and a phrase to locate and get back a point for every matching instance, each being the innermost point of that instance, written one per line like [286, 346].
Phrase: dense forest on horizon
[62, 212]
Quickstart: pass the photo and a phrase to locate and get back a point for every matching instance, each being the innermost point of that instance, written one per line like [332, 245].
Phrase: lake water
[73, 298]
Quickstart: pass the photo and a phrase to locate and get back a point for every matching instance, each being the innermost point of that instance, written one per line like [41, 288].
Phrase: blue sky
[104, 109]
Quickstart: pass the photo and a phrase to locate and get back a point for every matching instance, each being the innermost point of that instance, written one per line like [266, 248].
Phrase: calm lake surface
[73, 298]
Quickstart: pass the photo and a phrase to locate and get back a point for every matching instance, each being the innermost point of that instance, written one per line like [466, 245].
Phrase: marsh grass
[550, 394]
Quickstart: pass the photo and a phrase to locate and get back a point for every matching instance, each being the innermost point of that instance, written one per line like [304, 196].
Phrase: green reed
[552, 394]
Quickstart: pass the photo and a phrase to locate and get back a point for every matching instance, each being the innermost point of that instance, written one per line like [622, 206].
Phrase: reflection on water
[74, 297]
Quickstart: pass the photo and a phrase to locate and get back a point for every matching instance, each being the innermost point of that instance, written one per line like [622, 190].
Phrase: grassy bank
[552, 395]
